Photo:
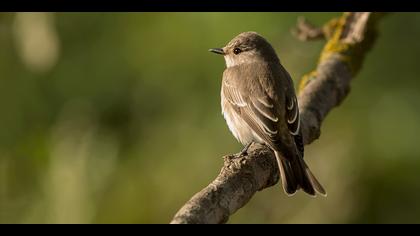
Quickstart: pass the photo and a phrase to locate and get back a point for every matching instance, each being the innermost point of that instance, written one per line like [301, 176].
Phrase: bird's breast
[239, 128]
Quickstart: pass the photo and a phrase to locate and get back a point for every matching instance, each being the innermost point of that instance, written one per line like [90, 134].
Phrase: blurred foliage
[115, 118]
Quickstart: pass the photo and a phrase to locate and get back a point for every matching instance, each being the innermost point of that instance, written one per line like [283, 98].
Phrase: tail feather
[296, 174]
[300, 173]
[315, 183]
[286, 175]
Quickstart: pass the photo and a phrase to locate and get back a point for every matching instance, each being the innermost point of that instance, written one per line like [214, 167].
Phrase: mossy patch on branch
[350, 52]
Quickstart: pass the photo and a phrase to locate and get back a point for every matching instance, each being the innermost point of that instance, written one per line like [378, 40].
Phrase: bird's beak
[217, 50]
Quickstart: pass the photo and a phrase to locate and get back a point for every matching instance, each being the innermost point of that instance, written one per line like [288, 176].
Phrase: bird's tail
[295, 174]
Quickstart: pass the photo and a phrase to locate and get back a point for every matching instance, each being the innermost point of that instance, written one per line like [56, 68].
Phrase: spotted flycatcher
[259, 105]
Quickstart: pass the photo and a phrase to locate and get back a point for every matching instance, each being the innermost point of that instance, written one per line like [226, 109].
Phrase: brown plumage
[259, 105]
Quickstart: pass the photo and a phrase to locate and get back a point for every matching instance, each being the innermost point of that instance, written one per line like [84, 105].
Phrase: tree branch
[321, 90]
[306, 31]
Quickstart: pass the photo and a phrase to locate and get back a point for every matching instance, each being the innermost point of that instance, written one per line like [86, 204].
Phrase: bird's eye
[237, 51]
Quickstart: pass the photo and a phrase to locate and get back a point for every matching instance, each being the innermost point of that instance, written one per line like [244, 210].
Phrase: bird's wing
[258, 111]
[292, 113]
[293, 120]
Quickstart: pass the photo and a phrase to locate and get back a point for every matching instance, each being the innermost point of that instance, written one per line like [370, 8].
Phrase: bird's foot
[244, 151]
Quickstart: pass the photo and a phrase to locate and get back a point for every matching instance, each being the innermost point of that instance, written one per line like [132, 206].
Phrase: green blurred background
[115, 118]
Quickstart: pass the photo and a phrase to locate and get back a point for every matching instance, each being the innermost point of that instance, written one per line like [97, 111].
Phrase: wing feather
[257, 112]
[293, 121]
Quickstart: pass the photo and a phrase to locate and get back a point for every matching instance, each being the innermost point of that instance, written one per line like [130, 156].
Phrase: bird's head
[247, 47]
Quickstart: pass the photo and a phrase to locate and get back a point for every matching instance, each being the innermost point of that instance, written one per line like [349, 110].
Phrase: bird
[259, 105]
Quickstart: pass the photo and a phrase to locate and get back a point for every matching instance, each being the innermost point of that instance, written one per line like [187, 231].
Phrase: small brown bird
[259, 105]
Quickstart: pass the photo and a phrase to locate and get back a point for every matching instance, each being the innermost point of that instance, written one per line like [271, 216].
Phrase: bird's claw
[244, 151]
